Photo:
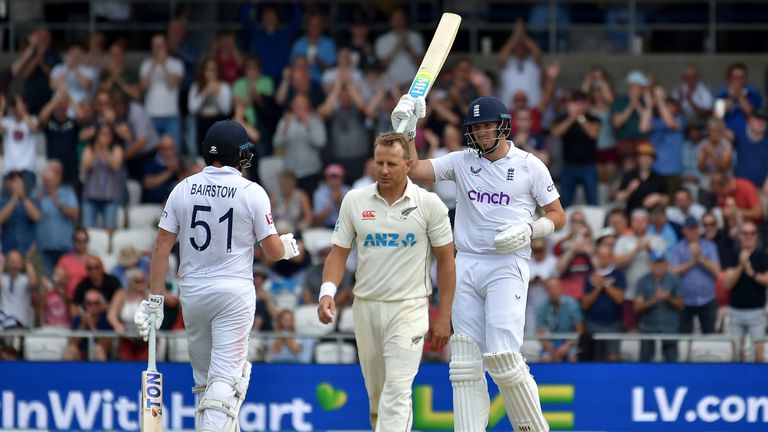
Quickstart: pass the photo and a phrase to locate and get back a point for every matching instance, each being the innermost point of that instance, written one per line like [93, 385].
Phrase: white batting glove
[291, 248]
[149, 311]
[512, 237]
[407, 113]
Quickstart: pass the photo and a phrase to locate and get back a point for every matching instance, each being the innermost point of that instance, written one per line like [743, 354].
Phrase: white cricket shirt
[218, 217]
[492, 194]
[394, 243]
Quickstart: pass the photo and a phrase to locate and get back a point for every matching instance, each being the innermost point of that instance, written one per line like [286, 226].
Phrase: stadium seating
[98, 241]
[531, 350]
[270, 168]
[134, 192]
[144, 215]
[46, 344]
[143, 239]
[334, 352]
[710, 351]
[305, 319]
[594, 215]
[347, 320]
[315, 239]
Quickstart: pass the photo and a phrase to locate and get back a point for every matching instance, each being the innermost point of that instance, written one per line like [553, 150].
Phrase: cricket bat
[151, 390]
[433, 60]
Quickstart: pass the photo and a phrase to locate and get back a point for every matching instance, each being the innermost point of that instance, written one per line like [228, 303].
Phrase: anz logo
[390, 240]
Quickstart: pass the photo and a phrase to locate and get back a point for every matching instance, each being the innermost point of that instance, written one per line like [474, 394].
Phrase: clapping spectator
[73, 264]
[270, 41]
[140, 132]
[120, 315]
[96, 57]
[210, 98]
[128, 258]
[363, 54]
[161, 76]
[573, 257]
[74, 76]
[60, 213]
[542, 267]
[519, 62]
[106, 115]
[59, 121]
[254, 94]
[602, 303]
[17, 128]
[228, 57]
[715, 154]
[19, 215]
[524, 136]
[101, 170]
[597, 84]
[326, 199]
[286, 348]
[719, 236]
[400, 50]
[97, 278]
[34, 65]
[667, 135]
[626, 111]
[560, 313]
[741, 98]
[318, 49]
[314, 279]
[115, 75]
[344, 70]
[661, 226]
[658, 303]
[56, 301]
[694, 97]
[18, 285]
[162, 172]
[643, 187]
[738, 197]
[299, 137]
[751, 145]
[290, 203]
[92, 317]
[684, 206]
[296, 80]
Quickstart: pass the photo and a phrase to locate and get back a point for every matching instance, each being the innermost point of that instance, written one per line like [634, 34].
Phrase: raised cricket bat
[433, 60]
[151, 390]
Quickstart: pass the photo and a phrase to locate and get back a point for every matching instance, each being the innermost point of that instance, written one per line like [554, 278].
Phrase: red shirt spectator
[73, 263]
[737, 195]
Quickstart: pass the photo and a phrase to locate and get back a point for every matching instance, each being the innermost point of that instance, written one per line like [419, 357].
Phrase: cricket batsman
[397, 227]
[499, 187]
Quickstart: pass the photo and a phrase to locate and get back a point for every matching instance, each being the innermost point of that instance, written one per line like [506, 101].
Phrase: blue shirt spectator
[18, 215]
[270, 42]
[752, 150]
[326, 199]
[60, 212]
[669, 142]
[658, 304]
[558, 314]
[660, 226]
[604, 310]
[740, 97]
[319, 50]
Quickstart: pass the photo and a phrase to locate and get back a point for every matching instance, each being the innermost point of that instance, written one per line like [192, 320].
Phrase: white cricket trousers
[489, 304]
[390, 340]
[218, 316]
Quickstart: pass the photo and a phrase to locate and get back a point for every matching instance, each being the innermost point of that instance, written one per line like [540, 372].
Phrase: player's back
[219, 216]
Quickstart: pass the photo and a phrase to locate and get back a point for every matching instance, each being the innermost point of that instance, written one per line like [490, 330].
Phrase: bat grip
[151, 360]
[401, 126]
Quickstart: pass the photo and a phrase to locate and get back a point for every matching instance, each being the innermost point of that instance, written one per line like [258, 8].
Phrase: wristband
[542, 227]
[327, 289]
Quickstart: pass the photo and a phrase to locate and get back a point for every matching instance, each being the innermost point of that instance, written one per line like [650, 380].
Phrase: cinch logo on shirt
[496, 198]
[392, 240]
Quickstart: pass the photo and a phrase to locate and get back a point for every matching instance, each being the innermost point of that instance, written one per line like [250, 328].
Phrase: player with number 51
[218, 216]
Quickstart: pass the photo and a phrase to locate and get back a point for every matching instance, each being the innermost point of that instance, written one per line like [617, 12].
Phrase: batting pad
[518, 390]
[471, 403]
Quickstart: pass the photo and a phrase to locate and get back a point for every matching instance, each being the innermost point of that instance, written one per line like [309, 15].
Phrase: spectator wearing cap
[661, 226]
[602, 302]
[578, 130]
[738, 197]
[327, 198]
[560, 313]
[696, 261]
[643, 187]
[299, 136]
[667, 135]
[128, 259]
[694, 97]
[658, 304]
[683, 205]
[19, 215]
[626, 112]
[60, 212]
[741, 98]
[751, 146]
[746, 276]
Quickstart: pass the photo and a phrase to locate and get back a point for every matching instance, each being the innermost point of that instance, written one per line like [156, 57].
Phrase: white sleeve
[444, 166]
[169, 220]
[344, 232]
[144, 69]
[542, 187]
[224, 99]
[263, 224]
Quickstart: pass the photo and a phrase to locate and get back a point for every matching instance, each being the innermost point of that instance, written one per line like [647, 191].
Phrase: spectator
[597, 84]
[56, 301]
[18, 285]
[560, 313]
[525, 138]
[60, 213]
[289, 203]
[633, 258]
[741, 98]
[626, 112]
[667, 129]
[349, 73]
[210, 98]
[618, 220]
[254, 92]
[643, 187]
[751, 146]
[300, 135]
[369, 176]
[296, 80]
[519, 62]
[746, 276]
[97, 279]
[694, 97]
[326, 199]
[185, 50]
[229, 60]
[658, 304]
[266, 310]
[363, 54]
[73, 76]
[314, 278]
[683, 207]
[400, 50]
[140, 149]
[602, 303]
[92, 317]
[162, 172]
[318, 49]
[120, 315]
[578, 130]
[467, 84]
[715, 154]
[270, 41]
[542, 267]
[116, 76]
[106, 115]
[129, 259]
[696, 261]
[606, 236]
[662, 227]
[73, 264]
[34, 66]
[160, 78]
[738, 197]
[101, 170]
[719, 236]
[59, 121]
[286, 348]
[287, 276]
[573, 257]
[17, 129]
[345, 111]
[96, 57]
[19, 215]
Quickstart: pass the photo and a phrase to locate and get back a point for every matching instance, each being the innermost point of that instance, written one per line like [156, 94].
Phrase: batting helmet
[487, 109]
[227, 142]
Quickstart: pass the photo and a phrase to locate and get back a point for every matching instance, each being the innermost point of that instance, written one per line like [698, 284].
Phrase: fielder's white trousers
[390, 340]
[489, 304]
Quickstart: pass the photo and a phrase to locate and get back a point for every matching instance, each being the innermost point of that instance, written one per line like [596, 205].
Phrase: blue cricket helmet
[227, 142]
[487, 109]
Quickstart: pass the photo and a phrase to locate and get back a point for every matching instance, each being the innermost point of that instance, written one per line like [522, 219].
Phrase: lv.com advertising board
[576, 397]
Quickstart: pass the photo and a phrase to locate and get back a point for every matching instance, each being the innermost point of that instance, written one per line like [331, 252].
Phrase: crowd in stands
[678, 176]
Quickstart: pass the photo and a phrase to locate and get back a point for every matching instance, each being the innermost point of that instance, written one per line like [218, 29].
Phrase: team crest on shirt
[368, 214]
[475, 171]
[404, 214]
[510, 174]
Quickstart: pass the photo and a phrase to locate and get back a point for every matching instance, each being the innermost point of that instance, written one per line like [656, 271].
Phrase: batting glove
[149, 311]
[291, 248]
[407, 113]
[512, 237]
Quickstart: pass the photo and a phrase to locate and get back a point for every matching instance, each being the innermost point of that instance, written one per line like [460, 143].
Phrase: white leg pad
[518, 390]
[219, 405]
[471, 402]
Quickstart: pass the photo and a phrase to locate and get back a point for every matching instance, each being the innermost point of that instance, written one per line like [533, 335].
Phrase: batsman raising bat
[499, 187]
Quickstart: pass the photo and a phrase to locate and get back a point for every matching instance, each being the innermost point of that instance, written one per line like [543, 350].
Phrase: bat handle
[151, 360]
[401, 126]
